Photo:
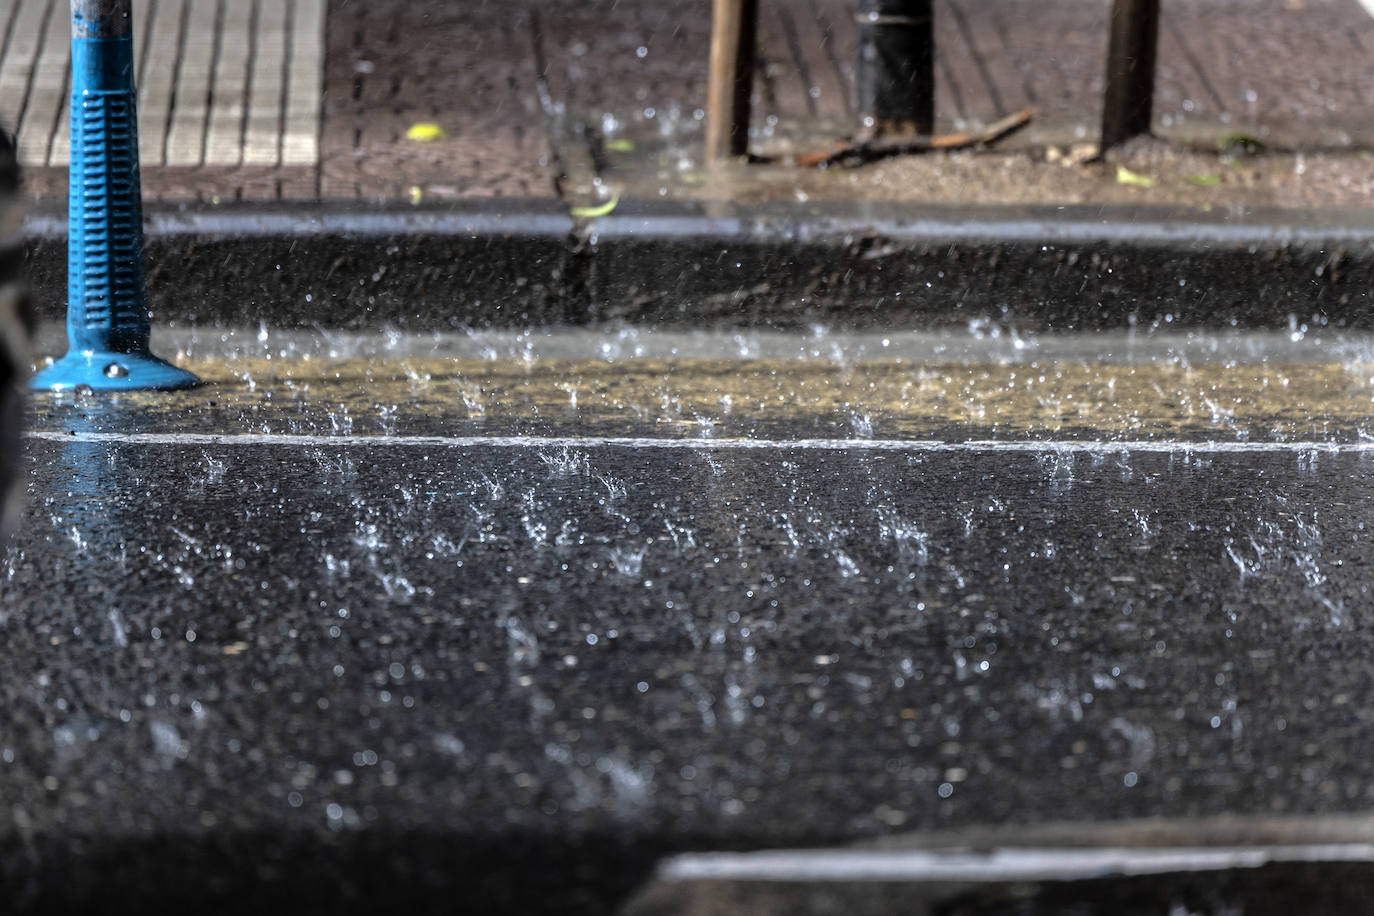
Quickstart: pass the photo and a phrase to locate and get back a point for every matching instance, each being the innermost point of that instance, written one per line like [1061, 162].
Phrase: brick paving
[391, 65]
[512, 82]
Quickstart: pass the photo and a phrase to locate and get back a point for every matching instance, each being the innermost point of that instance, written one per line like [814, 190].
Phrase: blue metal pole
[107, 311]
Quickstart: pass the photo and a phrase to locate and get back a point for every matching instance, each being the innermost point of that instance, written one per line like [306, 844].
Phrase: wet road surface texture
[506, 621]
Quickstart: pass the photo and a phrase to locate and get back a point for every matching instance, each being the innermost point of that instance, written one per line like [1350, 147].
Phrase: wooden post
[1129, 97]
[895, 79]
[733, 32]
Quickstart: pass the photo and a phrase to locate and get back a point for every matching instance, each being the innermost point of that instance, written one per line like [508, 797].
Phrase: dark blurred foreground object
[16, 329]
[734, 28]
[1129, 96]
[896, 69]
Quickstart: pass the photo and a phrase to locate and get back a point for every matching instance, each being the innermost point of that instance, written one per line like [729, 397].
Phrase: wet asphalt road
[424, 674]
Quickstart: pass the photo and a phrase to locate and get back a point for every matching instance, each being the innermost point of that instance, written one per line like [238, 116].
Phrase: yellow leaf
[1135, 180]
[620, 146]
[599, 210]
[425, 131]
[416, 195]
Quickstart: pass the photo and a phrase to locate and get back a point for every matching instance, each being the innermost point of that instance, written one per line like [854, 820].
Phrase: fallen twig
[878, 147]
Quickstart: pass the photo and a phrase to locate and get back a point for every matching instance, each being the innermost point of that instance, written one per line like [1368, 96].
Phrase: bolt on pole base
[107, 311]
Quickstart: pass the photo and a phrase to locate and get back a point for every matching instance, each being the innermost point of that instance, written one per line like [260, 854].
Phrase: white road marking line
[810, 866]
[1025, 446]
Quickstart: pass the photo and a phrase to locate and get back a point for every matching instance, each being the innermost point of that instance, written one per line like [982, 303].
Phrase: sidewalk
[299, 100]
[569, 188]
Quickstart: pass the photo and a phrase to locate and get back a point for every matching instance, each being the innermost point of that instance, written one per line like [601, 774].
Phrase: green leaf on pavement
[598, 210]
[1204, 180]
[1134, 179]
[620, 146]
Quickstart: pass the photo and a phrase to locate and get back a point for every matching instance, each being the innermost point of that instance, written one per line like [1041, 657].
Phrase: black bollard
[896, 72]
[1129, 98]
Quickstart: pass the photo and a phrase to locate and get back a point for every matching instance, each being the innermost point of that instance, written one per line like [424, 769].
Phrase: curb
[700, 264]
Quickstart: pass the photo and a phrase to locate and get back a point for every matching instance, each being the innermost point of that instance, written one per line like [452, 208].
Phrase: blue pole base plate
[107, 371]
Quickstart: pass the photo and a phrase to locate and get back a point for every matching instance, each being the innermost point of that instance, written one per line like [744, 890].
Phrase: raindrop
[116, 370]
[166, 741]
[121, 633]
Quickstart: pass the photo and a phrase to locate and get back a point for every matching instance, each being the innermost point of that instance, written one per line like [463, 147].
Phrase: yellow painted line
[1298, 401]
